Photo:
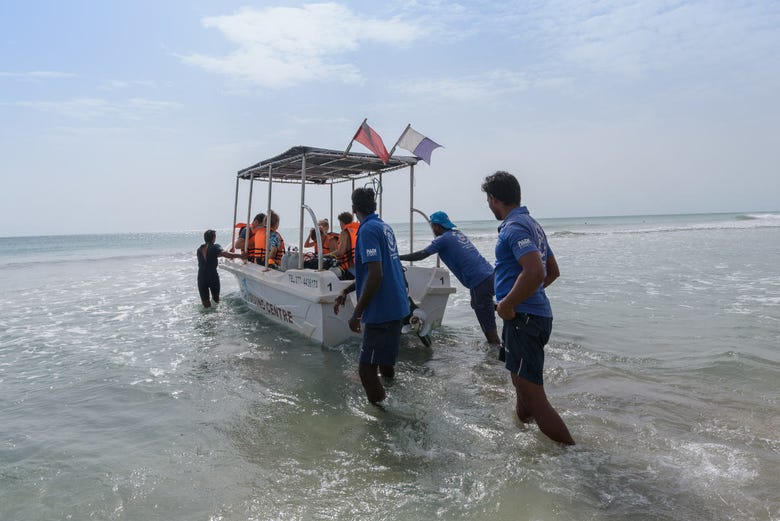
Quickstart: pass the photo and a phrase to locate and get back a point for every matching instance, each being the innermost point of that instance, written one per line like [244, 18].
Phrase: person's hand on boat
[340, 300]
[354, 324]
[505, 311]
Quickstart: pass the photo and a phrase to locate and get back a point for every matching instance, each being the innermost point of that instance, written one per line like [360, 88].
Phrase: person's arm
[370, 287]
[345, 241]
[416, 256]
[552, 271]
[273, 246]
[342, 297]
[525, 285]
[311, 240]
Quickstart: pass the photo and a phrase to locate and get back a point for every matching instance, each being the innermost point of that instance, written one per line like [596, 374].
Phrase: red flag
[371, 140]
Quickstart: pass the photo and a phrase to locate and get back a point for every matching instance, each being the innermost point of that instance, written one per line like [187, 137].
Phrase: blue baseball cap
[442, 220]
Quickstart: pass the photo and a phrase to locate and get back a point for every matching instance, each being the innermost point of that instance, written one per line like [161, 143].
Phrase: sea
[122, 398]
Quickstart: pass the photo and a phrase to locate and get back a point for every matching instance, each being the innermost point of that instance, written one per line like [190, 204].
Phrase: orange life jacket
[326, 242]
[255, 245]
[348, 260]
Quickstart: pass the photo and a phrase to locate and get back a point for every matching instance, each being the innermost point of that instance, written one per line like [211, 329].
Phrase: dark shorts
[381, 343]
[524, 339]
[483, 304]
[208, 282]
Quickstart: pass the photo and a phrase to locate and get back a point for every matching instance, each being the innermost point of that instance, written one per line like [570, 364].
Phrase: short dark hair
[259, 217]
[502, 186]
[363, 200]
[346, 217]
[209, 236]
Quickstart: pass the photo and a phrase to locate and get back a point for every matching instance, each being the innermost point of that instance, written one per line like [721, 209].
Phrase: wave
[759, 217]
[568, 233]
[21, 264]
[737, 222]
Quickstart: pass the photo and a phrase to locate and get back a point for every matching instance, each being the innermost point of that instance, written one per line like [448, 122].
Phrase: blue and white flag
[417, 144]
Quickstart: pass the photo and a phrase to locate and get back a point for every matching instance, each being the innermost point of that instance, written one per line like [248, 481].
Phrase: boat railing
[318, 236]
[411, 234]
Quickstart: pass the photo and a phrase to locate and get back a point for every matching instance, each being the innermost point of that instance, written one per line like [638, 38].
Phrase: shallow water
[123, 399]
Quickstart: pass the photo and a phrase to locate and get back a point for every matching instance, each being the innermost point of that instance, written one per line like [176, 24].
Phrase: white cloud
[282, 46]
[91, 108]
[640, 38]
[126, 84]
[485, 87]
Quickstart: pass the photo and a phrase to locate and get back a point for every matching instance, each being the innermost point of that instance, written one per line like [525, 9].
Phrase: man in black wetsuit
[208, 255]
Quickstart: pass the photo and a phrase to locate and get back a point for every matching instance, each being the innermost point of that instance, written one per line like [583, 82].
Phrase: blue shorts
[483, 304]
[524, 339]
[381, 343]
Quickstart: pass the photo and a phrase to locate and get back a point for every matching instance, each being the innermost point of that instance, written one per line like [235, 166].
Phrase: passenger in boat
[525, 266]
[468, 265]
[208, 256]
[257, 222]
[345, 253]
[329, 240]
[330, 243]
[382, 302]
[276, 246]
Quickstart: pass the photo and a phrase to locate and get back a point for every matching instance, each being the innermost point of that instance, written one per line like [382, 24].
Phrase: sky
[135, 116]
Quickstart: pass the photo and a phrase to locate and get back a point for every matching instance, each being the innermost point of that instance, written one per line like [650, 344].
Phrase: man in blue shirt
[525, 265]
[468, 265]
[381, 291]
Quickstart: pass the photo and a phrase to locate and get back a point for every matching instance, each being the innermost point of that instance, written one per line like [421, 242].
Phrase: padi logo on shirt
[390, 238]
[522, 243]
[371, 252]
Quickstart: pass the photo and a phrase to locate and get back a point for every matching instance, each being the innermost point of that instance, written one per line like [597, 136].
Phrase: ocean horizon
[758, 214]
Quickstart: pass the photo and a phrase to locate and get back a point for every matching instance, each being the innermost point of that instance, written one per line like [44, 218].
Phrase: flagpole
[399, 139]
[353, 139]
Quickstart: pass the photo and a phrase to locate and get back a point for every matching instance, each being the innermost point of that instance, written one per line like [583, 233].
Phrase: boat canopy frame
[322, 166]
[304, 165]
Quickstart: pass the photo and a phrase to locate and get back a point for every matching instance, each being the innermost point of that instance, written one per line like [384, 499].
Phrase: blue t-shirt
[517, 235]
[376, 243]
[461, 257]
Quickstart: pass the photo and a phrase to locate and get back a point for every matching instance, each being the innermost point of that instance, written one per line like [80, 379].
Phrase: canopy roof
[322, 166]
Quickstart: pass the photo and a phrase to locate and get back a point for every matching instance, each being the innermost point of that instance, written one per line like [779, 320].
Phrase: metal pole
[331, 205]
[235, 218]
[249, 214]
[303, 204]
[268, 219]
[411, 209]
[380, 195]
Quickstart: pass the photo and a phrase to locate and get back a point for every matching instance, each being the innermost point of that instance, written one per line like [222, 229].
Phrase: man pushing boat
[468, 265]
[382, 301]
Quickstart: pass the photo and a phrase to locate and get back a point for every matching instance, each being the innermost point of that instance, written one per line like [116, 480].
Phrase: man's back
[376, 243]
[461, 257]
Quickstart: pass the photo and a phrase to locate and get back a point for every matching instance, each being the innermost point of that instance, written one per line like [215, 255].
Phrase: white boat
[302, 299]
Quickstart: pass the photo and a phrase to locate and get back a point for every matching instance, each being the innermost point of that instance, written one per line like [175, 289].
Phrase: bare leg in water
[375, 391]
[532, 404]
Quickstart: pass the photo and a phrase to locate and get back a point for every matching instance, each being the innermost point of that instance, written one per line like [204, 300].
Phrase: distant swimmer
[208, 256]
[525, 265]
[468, 265]
[381, 292]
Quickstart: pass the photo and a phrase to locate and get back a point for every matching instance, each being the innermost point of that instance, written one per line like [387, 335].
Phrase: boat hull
[302, 300]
